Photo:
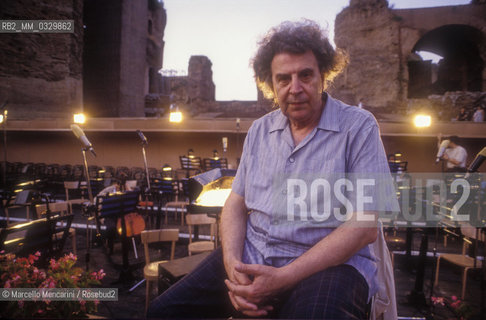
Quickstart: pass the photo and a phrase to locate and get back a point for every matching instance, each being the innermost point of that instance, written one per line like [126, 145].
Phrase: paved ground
[131, 303]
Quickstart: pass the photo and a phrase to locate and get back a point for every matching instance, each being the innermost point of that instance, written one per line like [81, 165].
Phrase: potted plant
[460, 309]
[19, 272]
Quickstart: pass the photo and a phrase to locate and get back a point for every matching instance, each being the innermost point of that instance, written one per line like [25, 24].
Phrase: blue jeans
[336, 293]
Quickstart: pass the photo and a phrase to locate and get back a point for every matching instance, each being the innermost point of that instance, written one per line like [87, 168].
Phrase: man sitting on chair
[275, 262]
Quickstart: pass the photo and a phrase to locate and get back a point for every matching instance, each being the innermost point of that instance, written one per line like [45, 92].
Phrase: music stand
[116, 206]
[38, 237]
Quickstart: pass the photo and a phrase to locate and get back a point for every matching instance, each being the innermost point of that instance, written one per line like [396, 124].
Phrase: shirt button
[291, 160]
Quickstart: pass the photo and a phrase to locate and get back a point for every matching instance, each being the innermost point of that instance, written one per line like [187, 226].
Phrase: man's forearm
[233, 228]
[335, 249]
[454, 161]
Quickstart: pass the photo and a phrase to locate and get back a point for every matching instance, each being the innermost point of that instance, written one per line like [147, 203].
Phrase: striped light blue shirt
[346, 140]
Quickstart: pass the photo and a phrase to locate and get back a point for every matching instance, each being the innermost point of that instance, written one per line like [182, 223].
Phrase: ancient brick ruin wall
[379, 41]
[54, 75]
[368, 33]
[124, 49]
[41, 74]
[200, 76]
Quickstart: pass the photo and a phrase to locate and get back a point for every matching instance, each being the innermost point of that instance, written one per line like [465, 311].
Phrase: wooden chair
[172, 189]
[200, 245]
[60, 208]
[462, 260]
[177, 206]
[151, 269]
[70, 187]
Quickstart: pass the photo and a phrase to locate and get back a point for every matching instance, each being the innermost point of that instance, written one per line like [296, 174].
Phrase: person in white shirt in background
[478, 115]
[455, 155]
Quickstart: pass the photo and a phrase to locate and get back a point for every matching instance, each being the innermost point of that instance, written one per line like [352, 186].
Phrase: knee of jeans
[158, 308]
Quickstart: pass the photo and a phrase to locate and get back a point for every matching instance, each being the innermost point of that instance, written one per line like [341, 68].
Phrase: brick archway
[460, 69]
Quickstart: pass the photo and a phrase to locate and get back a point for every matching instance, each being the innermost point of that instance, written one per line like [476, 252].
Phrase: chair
[154, 173]
[151, 269]
[39, 170]
[65, 172]
[94, 171]
[462, 260]
[109, 172]
[27, 171]
[53, 170]
[78, 172]
[149, 206]
[212, 163]
[200, 220]
[122, 173]
[170, 190]
[138, 174]
[71, 187]
[62, 209]
[384, 304]
[178, 206]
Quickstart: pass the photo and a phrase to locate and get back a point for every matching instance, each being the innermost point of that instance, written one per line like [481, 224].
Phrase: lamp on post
[175, 114]
[422, 120]
[79, 118]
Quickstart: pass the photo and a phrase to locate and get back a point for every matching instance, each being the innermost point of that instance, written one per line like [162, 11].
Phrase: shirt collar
[329, 117]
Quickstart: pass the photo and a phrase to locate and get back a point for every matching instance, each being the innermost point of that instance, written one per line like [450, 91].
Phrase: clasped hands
[251, 287]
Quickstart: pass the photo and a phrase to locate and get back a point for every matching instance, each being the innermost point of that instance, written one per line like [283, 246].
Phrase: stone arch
[462, 67]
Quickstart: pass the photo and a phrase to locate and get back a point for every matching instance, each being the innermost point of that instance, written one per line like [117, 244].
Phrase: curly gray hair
[297, 38]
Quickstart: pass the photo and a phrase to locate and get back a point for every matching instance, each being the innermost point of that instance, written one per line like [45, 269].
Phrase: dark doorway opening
[461, 67]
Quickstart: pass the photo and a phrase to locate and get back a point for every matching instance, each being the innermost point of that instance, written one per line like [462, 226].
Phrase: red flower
[438, 300]
[456, 304]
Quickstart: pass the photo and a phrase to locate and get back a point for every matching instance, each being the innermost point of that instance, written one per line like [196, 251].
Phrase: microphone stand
[144, 143]
[90, 195]
[147, 192]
